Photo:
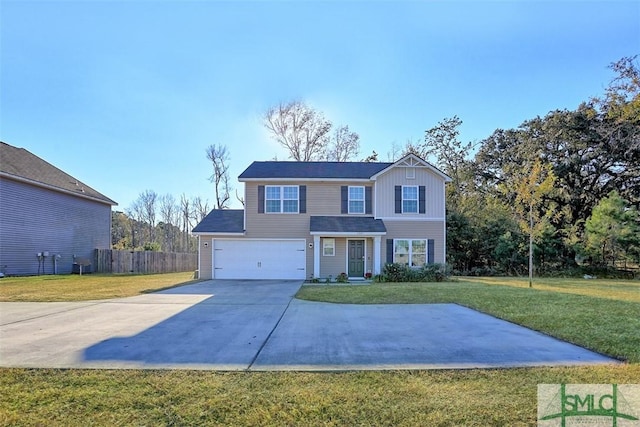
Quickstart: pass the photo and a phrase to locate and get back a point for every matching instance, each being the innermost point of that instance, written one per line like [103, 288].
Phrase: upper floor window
[356, 200]
[410, 199]
[281, 199]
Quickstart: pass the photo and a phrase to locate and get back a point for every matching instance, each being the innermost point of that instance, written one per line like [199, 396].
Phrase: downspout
[199, 256]
[444, 221]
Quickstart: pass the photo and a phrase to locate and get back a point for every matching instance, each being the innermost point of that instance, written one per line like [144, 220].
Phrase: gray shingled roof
[313, 170]
[346, 224]
[21, 164]
[222, 221]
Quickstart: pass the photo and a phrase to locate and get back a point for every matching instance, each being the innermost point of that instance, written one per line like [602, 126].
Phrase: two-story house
[320, 219]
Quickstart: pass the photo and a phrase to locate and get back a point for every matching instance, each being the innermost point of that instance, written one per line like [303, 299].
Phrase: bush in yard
[342, 278]
[435, 272]
[395, 272]
[379, 278]
[403, 273]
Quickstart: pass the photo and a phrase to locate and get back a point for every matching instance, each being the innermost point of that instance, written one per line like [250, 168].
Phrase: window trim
[410, 251]
[329, 243]
[282, 199]
[417, 199]
[349, 200]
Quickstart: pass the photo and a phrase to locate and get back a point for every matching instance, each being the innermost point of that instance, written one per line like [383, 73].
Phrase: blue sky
[127, 95]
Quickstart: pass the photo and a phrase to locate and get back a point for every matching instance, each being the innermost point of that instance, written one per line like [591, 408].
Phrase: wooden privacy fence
[144, 262]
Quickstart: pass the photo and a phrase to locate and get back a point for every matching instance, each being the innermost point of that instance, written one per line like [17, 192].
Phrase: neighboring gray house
[320, 219]
[48, 219]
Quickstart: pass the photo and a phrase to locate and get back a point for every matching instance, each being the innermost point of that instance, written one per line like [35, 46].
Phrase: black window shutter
[302, 195]
[260, 198]
[422, 205]
[389, 251]
[344, 195]
[398, 198]
[430, 250]
[368, 208]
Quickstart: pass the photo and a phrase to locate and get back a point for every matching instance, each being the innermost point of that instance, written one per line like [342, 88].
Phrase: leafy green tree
[510, 253]
[460, 237]
[441, 142]
[621, 100]
[612, 230]
[120, 230]
[442, 146]
[531, 192]
[474, 230]
[593, 150]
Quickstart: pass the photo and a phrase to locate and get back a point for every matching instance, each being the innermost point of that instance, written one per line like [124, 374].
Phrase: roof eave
[348, 233]
[299, 179]
[218, 233]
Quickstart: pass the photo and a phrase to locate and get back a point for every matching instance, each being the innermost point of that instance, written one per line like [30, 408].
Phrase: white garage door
[259, 259]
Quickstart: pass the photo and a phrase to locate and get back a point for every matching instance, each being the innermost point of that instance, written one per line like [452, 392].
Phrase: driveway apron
[257, 325]
[208, 325]
[322, 336]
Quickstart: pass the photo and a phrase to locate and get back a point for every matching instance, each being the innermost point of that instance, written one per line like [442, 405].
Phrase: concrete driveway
[257, 325]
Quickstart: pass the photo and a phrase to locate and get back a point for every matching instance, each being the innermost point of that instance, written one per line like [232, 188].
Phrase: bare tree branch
[219, 157]
[240, 199]
[145, 207]
[186, 213]
[300, 129]
[169, 215]
[344, 145]
[200, 208]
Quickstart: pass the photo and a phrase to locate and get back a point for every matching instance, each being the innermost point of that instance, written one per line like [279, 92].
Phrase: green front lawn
[485, 397]
[603, 315]
[73, 287]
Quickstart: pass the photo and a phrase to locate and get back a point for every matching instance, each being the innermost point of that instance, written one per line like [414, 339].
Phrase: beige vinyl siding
[434, 192]
[272, 225]
[323, 198]
[205, 264]
[334, 265]
[417, 230]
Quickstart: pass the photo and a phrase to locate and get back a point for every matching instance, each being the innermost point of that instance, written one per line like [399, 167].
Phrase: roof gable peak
[411, 160]
[414, 161]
